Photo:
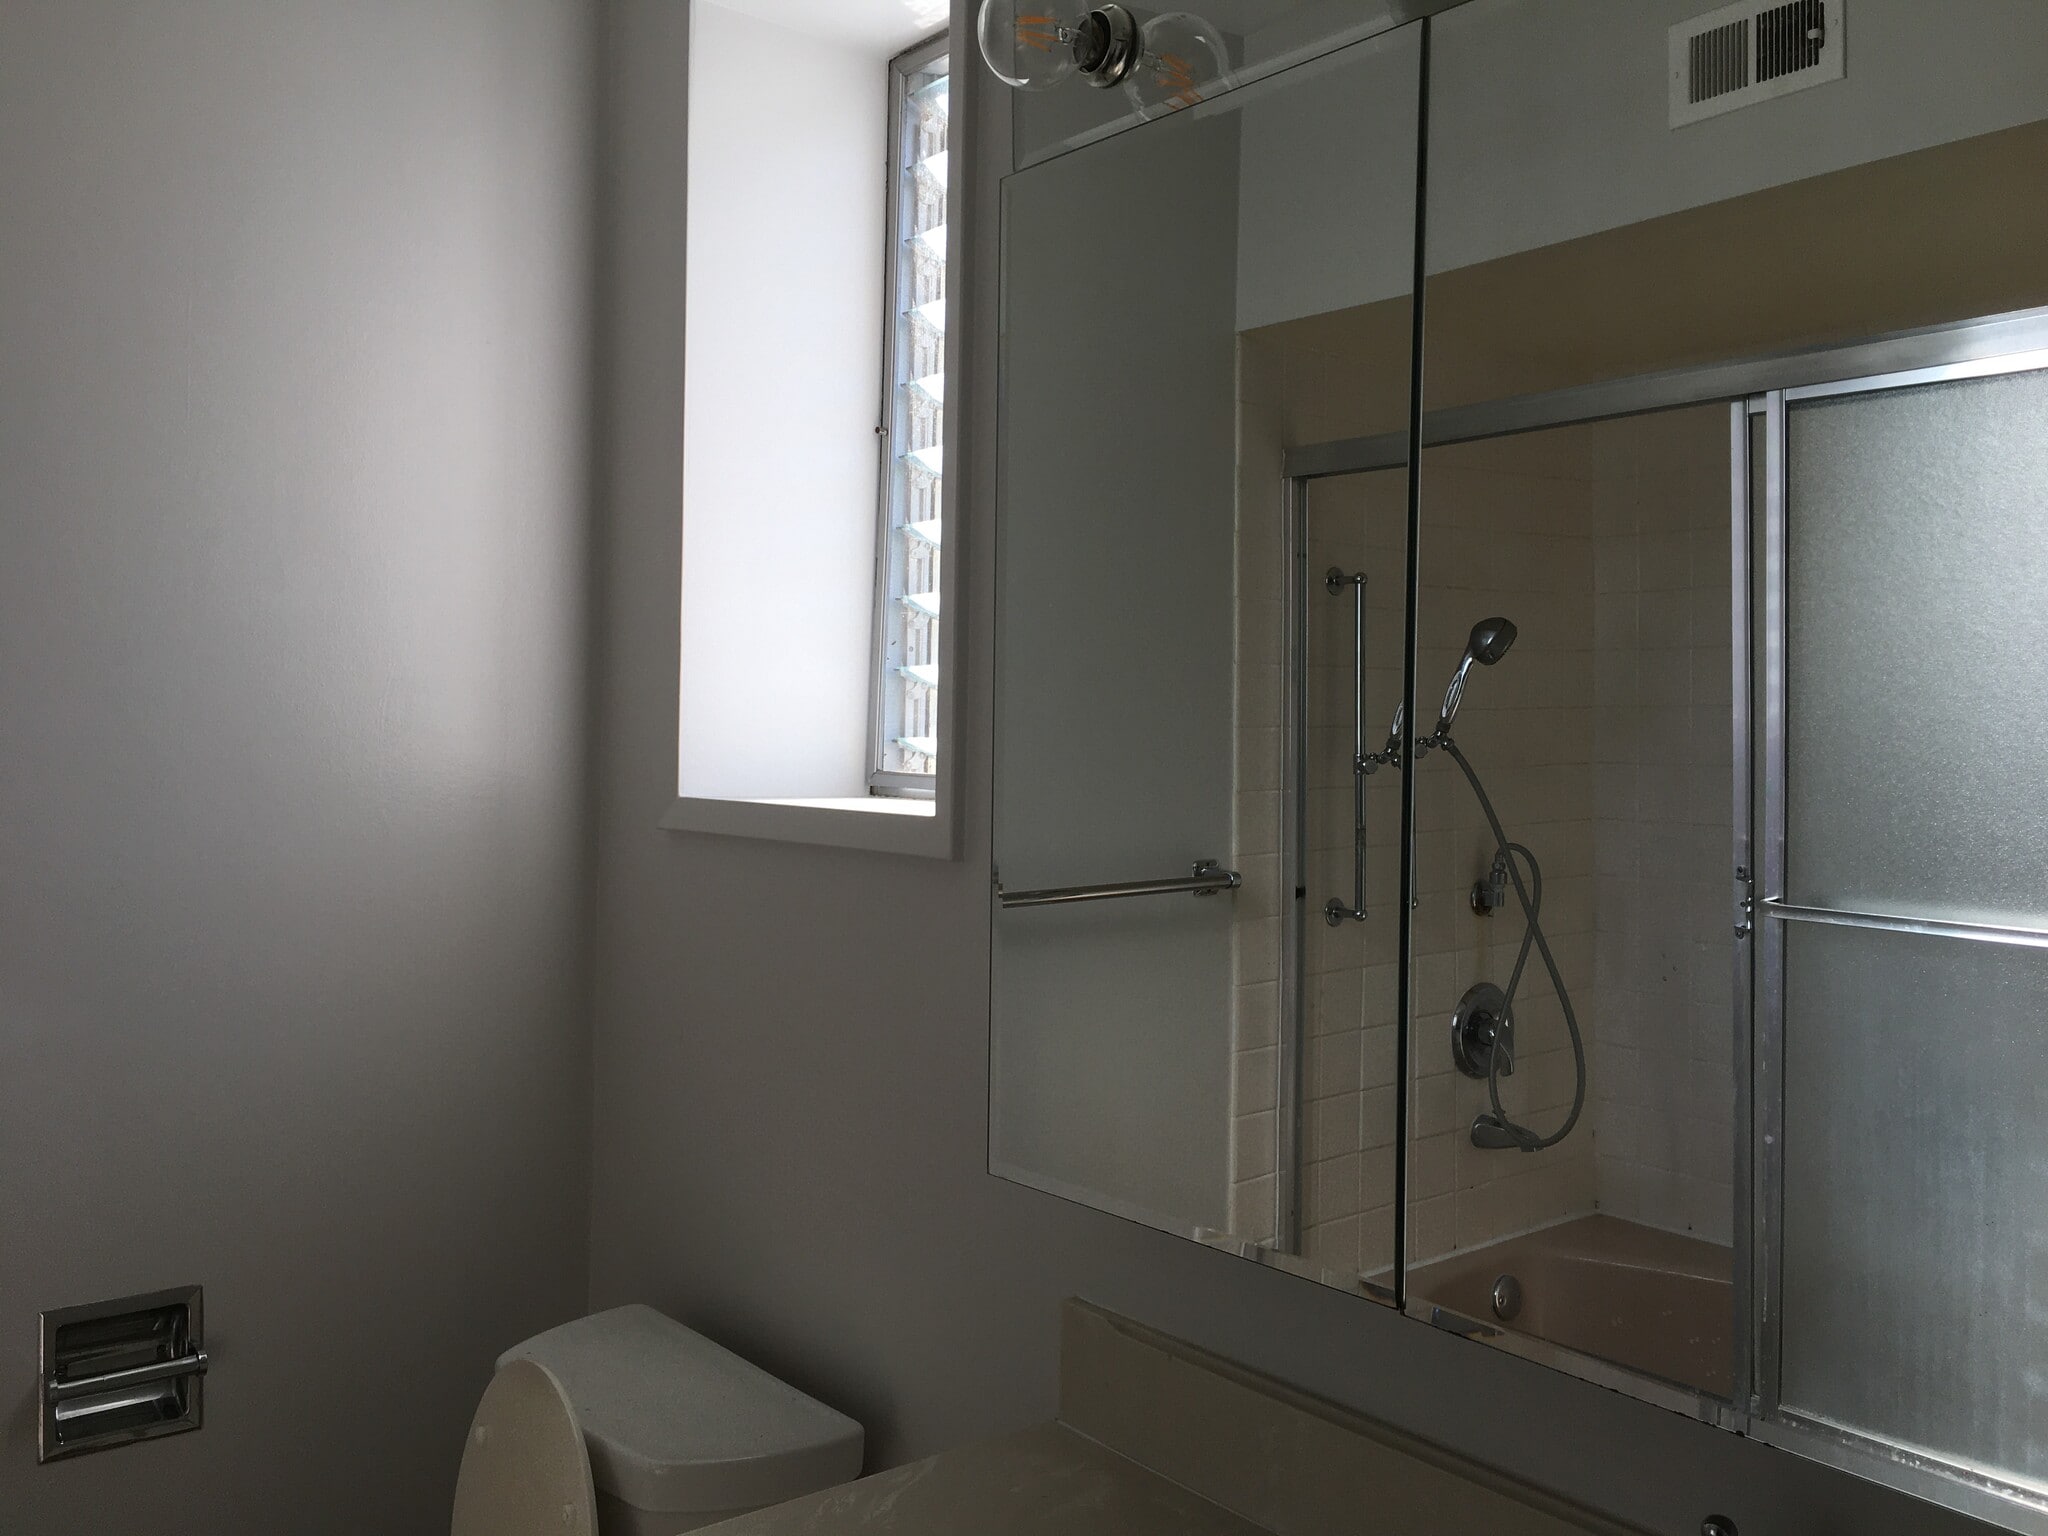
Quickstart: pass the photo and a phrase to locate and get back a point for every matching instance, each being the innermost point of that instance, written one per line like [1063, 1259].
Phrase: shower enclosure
[1799, 884]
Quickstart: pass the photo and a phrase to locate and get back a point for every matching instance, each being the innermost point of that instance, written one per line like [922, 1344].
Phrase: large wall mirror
[1561, 856]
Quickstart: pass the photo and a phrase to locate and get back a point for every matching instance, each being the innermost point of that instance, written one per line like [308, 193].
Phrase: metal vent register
[1744, 54]
[120, 1371]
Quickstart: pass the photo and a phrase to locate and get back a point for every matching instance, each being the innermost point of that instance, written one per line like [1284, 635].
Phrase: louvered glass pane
[907, 687]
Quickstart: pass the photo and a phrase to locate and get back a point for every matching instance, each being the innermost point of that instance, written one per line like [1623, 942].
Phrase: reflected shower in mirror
[1652, 999]
[1574, 838]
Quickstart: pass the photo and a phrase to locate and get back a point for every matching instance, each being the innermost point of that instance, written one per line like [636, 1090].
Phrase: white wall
[791, 1047]
[293, 418]
[788, 137]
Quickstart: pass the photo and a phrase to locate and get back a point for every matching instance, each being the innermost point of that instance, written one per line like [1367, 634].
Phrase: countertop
[1043, 1481]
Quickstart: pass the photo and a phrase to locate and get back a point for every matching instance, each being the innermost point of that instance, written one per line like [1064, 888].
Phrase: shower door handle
[1335, 912]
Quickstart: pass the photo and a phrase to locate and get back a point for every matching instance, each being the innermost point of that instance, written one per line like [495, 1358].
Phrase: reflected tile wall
[1663, 857]
[1604, 740]
[1506, 531]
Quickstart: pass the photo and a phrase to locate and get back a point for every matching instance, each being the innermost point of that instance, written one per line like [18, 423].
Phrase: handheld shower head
[1491, 639]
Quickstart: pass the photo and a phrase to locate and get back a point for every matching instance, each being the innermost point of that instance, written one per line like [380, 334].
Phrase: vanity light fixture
[1164, 62]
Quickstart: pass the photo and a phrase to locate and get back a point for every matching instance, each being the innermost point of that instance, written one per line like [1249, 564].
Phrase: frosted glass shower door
[1907, 934]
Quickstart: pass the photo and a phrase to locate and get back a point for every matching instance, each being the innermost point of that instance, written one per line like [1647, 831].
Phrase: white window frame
[882, 780]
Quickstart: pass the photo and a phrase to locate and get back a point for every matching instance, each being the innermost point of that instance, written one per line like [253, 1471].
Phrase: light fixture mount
[1106, 46]
[1164, 62]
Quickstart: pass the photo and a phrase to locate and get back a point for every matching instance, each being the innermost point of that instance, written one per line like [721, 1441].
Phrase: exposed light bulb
[1182, 60]
[1029, 44]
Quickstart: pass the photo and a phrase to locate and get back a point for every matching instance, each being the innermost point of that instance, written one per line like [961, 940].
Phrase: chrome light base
[1107, 46]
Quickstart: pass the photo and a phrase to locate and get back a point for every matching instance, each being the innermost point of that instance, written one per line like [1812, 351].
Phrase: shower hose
[1530, 894]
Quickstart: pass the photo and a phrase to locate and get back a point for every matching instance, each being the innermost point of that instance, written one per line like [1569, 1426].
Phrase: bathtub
[1650, 1300]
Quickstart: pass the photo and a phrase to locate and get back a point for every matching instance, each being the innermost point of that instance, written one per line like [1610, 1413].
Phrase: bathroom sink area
[1156, 1437]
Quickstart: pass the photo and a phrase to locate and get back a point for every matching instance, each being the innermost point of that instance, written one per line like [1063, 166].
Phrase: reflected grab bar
[1335, 912]
[1209, 878]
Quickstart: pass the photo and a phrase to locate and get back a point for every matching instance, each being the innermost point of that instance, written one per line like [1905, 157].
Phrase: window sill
[871, 823]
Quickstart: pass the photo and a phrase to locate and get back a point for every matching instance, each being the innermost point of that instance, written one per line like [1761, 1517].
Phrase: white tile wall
[1664, 862]
[1605, 745]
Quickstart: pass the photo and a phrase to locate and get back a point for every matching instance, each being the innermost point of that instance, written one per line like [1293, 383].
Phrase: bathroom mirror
[1648, 996]
[1168, 297]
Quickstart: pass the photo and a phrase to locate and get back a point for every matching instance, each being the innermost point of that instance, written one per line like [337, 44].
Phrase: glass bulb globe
[1029, 44]
[1184, 60]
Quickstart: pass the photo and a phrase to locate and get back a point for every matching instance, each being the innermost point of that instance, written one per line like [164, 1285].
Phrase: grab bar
[1209, 878]
[1335, 913]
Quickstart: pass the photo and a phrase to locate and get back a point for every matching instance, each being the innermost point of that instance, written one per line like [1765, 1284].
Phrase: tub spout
[1490, 1134]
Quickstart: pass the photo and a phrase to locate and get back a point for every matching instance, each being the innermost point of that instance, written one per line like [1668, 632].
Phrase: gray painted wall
[791, 1047]
[293, 488]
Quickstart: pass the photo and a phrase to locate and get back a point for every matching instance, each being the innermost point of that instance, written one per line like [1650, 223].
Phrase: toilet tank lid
[675, 1424]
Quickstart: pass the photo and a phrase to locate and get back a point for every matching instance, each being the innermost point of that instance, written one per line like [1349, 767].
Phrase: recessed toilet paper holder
[116, 1372]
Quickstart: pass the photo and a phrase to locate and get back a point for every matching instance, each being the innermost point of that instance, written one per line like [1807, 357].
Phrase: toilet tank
[682, 1433]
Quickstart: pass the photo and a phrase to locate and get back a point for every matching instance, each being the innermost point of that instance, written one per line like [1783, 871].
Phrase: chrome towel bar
[1209, 878]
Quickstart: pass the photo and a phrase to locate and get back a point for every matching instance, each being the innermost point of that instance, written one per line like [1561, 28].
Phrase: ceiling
[887, 26]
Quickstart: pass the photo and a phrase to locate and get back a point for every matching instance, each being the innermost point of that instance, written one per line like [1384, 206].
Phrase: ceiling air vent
[1743, 54]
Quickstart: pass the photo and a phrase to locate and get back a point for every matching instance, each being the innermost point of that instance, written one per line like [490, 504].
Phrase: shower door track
[1751, 388]
[1942, 353]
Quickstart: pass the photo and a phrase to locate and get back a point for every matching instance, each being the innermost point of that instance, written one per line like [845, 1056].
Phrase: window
[809, 645]
[907, 683]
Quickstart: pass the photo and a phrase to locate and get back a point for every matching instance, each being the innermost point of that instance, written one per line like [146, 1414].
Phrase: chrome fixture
[1390, 754]
[120, 1371]
[1483, 1032]
[1335, 912]
[1490, 640]
[1482, 1029]
[1507, 1298]
[1490, 891]
[1208, 879]
[1164, 63]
